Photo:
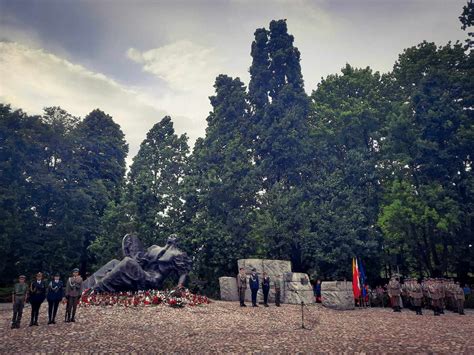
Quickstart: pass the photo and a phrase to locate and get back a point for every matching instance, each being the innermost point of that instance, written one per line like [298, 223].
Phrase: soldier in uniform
[73, 292]
[459, 297]
[416, 296]
[434, 294]
[394, 291]
[254, 286]
[37, 297]
[54, 297]
[265, 288]
[242, 286]
[442, 291]
[19, 297]
[277, 292]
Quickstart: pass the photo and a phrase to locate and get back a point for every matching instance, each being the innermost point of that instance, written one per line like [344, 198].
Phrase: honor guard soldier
[277, 292]
[394, 291]
[459, 296]
[265, 288]
[37, 297]
[254, 286]
[434, 295]
[19, 297]
[416, 296]
[73, 292]
[54, 296]
[242, 286]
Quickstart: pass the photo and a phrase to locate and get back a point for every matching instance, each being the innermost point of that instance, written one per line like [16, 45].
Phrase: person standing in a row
[37, 296]
[54, 297]
[73, 292]
[19, 297]
[265, 288]
[394, 292]
[242, 286]
[254, 286]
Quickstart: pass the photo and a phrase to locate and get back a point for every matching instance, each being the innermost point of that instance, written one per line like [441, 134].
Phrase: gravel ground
[225, 327]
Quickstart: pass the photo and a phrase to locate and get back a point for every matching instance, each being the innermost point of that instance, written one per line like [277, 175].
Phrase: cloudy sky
[139, 60]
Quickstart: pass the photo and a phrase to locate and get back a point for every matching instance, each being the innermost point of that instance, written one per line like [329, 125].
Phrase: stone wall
[337, 295]
[293, 290]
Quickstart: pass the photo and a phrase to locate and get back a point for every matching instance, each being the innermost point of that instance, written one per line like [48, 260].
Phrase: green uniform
[241, 287]
[20, 291]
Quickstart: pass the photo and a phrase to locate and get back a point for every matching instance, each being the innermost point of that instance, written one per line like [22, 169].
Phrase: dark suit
[254, 287]
[55, 295]
[265, 289]
[37, 296]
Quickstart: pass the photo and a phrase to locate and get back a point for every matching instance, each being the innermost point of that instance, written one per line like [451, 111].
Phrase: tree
[101, 152]
[280, 141]
[151, 203]
[428, 157]
[348, 112]
[467, 20]
[280, 107]
[220, 191]
[155, 180]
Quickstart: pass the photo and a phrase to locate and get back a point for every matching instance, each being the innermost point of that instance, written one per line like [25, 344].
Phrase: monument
[295, 286]
[142, 269]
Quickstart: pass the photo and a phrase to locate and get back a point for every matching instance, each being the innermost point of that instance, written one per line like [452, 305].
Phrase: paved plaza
[225, 327]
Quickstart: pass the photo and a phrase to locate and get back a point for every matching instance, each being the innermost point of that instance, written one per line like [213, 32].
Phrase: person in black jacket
[54, 297]
[37, 296]
[265, 288]
[253, 281]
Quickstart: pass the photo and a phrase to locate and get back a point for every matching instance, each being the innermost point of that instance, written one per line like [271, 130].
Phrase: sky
[140, 60]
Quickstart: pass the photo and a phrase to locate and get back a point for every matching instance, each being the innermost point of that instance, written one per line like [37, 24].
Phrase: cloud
[33, 79]
[184, 65]
[189, 71]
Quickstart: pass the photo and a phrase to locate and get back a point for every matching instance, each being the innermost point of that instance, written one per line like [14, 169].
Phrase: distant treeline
[370, 165]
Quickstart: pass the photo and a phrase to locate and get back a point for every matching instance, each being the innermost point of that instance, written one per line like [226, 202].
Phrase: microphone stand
[302, 312]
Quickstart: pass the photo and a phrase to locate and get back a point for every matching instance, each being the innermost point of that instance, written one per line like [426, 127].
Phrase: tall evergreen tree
[102, 150]
[152, 202]
[347, 117]
[220, 191]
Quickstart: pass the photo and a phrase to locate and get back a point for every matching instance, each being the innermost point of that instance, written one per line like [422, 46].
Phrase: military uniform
[394, 292]
[434, 294]
[254, 287]
[37, 297]
[277, 293]
[54, 297]
[415, 293]
[265, 289]
[459, 296]
[20, 293]
[242, 287]
[73, 292]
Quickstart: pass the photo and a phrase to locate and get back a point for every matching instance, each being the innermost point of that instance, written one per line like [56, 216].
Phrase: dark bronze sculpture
[145, 269]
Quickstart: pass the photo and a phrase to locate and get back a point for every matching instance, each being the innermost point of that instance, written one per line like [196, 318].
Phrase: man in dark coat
[265, 288]
[254, 286]
[54, 296]
[37, 296]
[20, 294]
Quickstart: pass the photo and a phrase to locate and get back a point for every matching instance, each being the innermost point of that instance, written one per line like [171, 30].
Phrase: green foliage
[427, 160]
[151, 204]
[51, 206]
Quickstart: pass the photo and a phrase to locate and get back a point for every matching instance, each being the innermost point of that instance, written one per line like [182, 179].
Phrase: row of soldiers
[439, 294]
[39, 290]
